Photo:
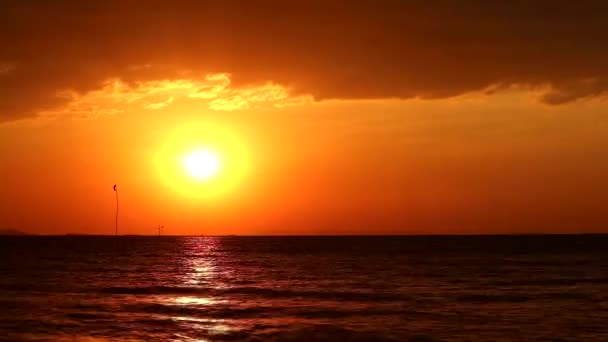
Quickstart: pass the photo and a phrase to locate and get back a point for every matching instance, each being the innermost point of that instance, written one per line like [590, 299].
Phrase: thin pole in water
[116, 219]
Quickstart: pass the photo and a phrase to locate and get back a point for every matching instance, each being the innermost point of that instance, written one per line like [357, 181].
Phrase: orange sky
[371, 121]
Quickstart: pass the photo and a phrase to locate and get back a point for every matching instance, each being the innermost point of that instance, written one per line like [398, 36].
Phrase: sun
[202, 160]
[202, 164]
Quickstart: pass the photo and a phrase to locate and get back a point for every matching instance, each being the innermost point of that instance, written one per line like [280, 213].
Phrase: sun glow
[202, 165]
[201, 161]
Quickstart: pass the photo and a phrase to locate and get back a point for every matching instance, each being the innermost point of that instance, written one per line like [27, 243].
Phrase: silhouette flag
[116, 219]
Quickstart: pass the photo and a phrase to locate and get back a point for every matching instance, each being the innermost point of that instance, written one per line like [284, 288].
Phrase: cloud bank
[330, 50]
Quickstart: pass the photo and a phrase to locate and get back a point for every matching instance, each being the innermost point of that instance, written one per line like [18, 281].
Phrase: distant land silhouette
[12, 232]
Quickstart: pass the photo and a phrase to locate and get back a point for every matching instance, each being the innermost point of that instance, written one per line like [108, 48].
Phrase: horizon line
[26, 234]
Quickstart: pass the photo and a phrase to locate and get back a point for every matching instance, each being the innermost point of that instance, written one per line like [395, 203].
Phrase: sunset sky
[363, 117]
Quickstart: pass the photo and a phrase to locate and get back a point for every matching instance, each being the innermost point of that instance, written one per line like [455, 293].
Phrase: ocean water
[470, 288]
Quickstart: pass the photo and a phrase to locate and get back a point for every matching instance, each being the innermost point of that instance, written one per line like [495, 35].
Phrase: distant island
[12, 232]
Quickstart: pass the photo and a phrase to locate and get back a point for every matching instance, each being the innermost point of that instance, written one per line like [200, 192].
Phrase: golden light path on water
[203, 273]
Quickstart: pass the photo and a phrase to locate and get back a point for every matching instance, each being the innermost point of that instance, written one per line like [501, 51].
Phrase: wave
[483, 298]
[266, 311]
[262, 292]
[154, 290]
[552, 282]
[89, 316]
[520, 298]
[209, 312]
[333, 333]
[316, 294]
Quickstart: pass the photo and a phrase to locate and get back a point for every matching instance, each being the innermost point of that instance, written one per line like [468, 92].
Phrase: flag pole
[116, 218]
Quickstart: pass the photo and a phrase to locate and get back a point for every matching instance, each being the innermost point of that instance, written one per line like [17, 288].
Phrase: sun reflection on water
[183, 338]
[190, 300]
[201, 274]
[212, 326]
[201, 269]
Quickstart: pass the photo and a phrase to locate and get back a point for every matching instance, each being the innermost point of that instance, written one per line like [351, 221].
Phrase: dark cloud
[350, 49]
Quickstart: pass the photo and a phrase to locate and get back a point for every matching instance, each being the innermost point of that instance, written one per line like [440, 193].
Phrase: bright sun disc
[201, 161]
[202, 164]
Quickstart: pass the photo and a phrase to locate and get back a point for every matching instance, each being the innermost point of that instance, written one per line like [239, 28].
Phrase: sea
[306, 288]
